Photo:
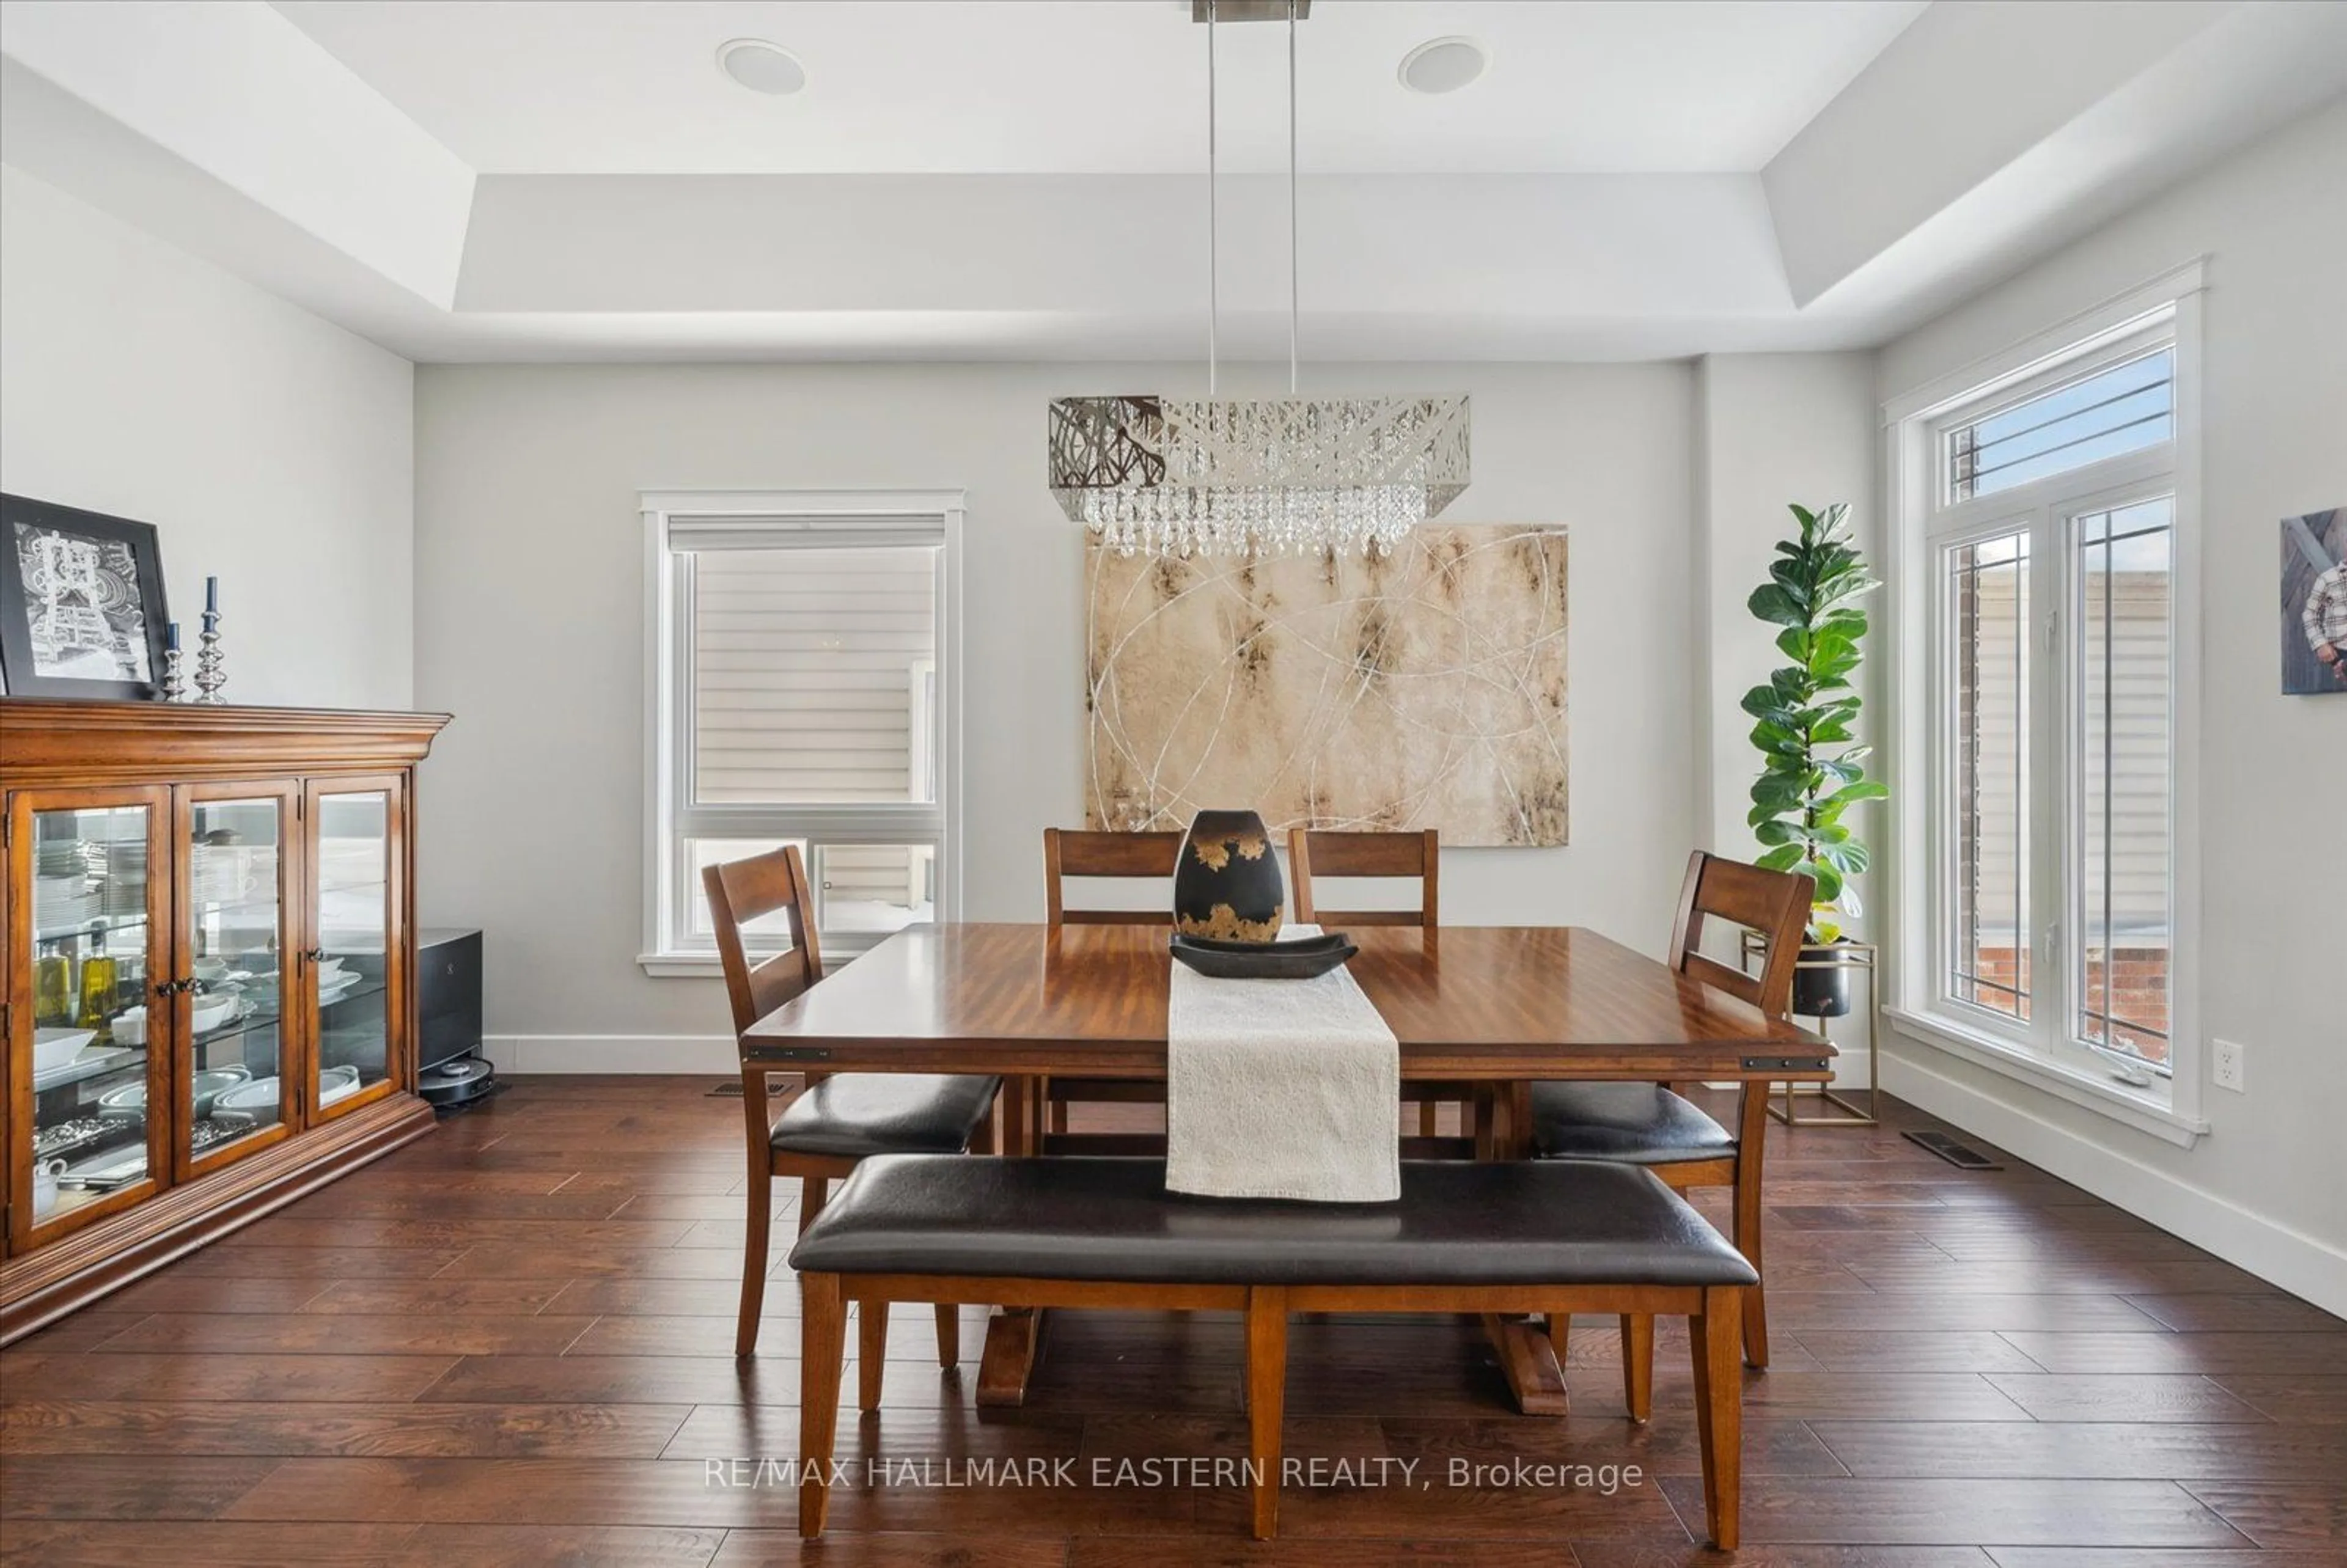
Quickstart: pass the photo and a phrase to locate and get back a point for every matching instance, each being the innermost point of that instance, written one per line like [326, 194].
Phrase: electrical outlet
[2228, 1069]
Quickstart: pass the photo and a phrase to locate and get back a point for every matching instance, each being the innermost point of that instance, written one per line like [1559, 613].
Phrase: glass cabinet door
[351, 974]
[235, 1095]
[95, 1034]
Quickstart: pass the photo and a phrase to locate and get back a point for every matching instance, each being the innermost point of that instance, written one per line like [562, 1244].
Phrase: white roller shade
[813, 669]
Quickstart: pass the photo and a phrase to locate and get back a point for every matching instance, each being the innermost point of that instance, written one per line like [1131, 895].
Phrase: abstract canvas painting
[2315, 603]
[1423, 688]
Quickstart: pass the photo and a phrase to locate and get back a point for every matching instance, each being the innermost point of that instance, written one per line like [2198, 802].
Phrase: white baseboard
[648, 1053]
[2303, 1265]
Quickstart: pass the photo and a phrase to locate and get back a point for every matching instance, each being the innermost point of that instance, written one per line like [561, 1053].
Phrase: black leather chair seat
[854, 1116]
[1562, 1223]
[1635, 1124]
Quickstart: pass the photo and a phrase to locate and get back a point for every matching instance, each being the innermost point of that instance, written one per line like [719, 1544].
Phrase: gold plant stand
[1842, 1113]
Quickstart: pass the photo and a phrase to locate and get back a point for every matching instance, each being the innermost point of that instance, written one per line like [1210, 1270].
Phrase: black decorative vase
[1822, 991]
[1228, 885]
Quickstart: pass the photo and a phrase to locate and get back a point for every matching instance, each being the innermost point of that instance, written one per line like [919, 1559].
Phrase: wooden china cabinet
[208, 1011]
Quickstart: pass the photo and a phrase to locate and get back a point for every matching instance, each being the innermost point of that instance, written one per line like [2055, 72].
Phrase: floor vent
[1961, 1155]
[730, 1090]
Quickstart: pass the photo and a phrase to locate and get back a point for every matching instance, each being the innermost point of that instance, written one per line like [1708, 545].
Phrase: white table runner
[1281, 1089]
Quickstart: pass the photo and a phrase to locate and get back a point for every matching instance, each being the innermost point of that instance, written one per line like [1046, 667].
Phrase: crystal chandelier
[1221, 477]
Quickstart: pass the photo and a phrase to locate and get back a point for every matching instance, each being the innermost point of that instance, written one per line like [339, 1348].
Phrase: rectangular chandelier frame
[1182, 476]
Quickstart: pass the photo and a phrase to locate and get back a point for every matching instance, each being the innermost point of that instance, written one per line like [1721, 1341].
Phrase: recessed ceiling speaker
[762, 66]
[1444, 65]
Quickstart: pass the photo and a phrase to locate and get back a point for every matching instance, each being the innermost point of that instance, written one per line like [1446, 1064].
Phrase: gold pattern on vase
[1217, 853]
[1224, 926]
[1227, 885]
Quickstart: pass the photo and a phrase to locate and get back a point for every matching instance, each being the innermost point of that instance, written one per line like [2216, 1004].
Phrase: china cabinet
[208, 1011]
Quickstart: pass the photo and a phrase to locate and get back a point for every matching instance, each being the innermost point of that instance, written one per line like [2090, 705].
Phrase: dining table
[1498, 1006]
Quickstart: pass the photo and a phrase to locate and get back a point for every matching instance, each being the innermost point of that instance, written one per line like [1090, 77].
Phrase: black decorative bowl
[1301, 959]
[1227, 885]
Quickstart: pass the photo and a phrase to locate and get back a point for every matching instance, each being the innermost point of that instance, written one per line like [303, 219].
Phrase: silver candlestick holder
[175, 679]
[211, 676]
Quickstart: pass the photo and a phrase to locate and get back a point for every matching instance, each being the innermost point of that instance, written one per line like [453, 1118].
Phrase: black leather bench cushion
[1638, 1123]
[857, 1114]
[1533, 1223]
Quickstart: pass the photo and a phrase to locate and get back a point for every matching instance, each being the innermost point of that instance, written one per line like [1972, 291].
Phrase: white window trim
[1914, 484]
[663, 654]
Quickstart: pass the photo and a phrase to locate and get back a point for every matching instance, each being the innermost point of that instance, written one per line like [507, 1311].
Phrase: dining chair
[1070, 853]
[819, 1130]
[1652, 1124]
[1315, 855]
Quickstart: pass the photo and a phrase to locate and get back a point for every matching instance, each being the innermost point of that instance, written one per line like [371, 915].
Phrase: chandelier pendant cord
[1214, 239]
[1294, 293]
[1178, 476]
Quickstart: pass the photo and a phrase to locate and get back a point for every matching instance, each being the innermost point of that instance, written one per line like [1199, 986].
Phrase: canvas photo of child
[2315, 603]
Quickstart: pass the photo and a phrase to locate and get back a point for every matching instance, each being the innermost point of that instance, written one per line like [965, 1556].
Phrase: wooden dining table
[1490, 1005]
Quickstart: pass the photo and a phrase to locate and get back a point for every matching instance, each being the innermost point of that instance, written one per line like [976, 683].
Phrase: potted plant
[1806, 717]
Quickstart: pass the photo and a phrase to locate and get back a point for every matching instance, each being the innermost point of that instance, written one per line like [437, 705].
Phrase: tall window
[2051, 529]
[799, 702]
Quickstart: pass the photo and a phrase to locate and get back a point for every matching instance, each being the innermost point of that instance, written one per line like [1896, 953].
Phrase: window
[798, 643]
[2050, 749]
[2125, 409]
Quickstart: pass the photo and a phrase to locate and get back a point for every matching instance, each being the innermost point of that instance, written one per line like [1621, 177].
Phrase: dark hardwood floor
[509, 1343]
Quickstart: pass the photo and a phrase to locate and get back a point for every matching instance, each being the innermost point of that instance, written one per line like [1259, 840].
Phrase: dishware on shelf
[210, 1132]
[64, 903]
[107, 1178]
[204, 1092]
[330, 971]
[65, 1139]
[44, 1186]
[60, 857]
[130, 1025]
[124, 1102]
[54, 1047]
[1302, 958]
[124, 891]
[210, 969]
[257, 1096]
[211, 1012]
[337, 1084]
[206, 1087]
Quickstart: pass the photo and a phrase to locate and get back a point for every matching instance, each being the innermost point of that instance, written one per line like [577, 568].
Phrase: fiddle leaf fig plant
[1806, 713]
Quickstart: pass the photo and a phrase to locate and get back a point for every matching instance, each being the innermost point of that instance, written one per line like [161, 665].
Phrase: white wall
[271, 449]
[531, 605]
[2264, 1187]
[1773, 429]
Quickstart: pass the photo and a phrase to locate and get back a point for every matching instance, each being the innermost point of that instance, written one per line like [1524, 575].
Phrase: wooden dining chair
[818, 1131]
[1315, 855]
[1652, 1124]
[1069, 853]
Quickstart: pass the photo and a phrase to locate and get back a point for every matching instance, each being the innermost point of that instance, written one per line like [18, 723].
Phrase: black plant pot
[1228, 885]
[1823, 992]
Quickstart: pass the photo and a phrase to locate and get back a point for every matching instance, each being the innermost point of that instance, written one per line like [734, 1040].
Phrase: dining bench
[1551, 1237]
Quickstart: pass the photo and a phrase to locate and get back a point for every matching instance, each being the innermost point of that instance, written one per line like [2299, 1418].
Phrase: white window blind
[809, 669]
[802, 704]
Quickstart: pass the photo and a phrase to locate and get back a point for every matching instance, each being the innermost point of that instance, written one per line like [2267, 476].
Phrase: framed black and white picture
[81, 603]
[2315, 603]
